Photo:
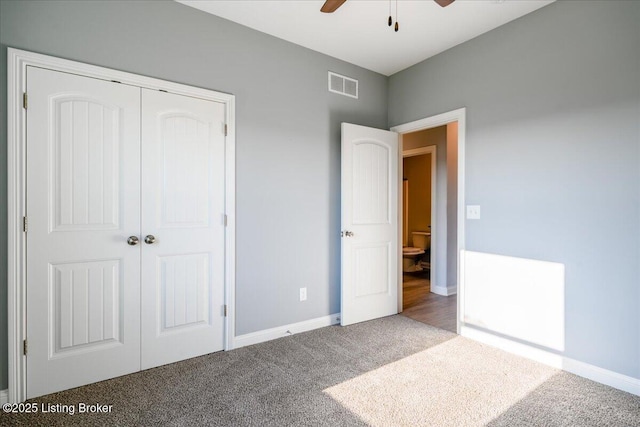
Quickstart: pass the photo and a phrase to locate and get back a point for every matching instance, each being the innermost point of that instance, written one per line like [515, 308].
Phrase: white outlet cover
[473, 211]
[303, 294]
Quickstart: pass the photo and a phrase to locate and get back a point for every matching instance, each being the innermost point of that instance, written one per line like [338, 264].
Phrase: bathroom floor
[418, 303]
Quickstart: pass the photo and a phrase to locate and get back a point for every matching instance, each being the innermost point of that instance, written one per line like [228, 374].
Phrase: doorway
[429, 224]
[372, 158]
[418, 220]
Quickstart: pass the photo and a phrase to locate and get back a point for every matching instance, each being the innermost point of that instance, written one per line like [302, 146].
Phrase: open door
[369, 224]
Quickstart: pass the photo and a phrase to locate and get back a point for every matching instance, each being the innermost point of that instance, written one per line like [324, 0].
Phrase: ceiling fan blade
[330, 6]
[444, 3]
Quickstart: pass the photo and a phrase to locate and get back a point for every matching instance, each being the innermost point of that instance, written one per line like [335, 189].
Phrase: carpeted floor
[387, 372]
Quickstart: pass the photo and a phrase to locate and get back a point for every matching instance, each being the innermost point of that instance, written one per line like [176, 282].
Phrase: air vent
[343, 85]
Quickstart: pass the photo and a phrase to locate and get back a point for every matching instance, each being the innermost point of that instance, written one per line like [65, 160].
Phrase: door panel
[185, 165]
[184, 291]
[85, 163]
[370, 281]
[183, 208]
[86, 306]
[369, 223]
[83, 187]
[370, 173]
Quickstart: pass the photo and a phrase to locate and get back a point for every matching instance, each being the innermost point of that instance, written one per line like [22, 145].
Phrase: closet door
[182, 227]
[82, 204]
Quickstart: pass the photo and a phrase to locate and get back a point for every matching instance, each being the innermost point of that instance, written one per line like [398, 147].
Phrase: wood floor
[418, 303]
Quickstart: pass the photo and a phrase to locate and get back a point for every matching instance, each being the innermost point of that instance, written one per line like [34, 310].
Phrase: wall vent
[343, 85]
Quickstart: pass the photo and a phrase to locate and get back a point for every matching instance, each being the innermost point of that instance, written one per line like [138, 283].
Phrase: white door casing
[17, 267]
[83, 279]
[369, 223]
[183, 206]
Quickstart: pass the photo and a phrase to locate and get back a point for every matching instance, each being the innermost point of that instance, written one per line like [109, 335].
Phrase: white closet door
[83, 187]
[183, 227]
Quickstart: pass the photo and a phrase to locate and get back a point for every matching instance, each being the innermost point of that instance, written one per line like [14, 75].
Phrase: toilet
[411, 255]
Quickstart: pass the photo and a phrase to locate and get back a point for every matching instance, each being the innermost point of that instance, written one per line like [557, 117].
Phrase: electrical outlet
[473, 212]
[303, 294]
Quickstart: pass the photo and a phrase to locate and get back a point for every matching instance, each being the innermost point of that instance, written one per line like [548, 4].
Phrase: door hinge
[225, 129]
[24, 224]
[225, 220]
[24, 347]
[224, 310]
[24, 100]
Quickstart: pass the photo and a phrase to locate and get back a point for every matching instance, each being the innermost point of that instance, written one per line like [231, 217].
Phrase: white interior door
[82, 203]
[369, 223]
[183, 181]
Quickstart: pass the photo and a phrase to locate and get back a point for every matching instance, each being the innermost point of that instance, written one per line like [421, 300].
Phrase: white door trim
[17, 63]
[460, 116]
[431, 149]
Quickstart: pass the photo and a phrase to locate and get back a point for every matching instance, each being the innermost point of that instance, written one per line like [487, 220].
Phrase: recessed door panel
[371, 190]
[85, 136]
[371, 269]
[86, 311]
[83, 202]
[184, 292]
[184, 147]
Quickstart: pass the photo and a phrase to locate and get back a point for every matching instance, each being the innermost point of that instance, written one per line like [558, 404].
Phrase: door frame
[17, 63]
[431, 149]
[459, 115]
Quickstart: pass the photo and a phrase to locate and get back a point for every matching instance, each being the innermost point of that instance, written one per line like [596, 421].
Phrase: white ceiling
[358, 33]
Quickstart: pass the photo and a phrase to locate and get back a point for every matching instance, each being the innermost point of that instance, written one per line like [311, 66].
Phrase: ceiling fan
[331, 6]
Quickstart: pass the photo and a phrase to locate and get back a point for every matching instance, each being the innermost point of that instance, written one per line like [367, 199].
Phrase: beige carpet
[456, 383]
[388, 372]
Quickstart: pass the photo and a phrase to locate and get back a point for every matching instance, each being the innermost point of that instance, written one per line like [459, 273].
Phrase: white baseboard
[445, 291]
[283, 331]
[4, 396]
[594, 373]
[603, 376]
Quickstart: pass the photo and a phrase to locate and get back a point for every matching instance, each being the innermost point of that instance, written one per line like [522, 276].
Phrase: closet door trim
[18, 61]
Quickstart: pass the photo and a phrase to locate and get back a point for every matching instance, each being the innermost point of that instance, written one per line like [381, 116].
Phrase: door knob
[346, 233]
[149, 239]
[132, 240]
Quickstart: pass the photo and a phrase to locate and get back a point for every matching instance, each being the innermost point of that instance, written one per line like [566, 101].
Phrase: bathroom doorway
[429, 225]
[418, 209]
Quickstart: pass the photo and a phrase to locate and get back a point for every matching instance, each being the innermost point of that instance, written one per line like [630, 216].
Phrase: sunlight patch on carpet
[459, 382]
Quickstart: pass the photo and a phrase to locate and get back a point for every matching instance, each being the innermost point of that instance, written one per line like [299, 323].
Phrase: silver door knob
[149, 239]
[347, 233]
[133, 240]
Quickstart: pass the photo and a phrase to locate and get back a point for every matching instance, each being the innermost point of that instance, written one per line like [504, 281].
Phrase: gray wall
[553, 157]
[288, 135]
